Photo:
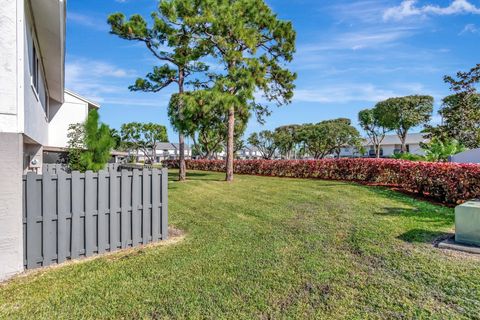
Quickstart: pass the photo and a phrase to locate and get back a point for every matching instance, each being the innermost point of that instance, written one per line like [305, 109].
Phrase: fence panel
[72, 215]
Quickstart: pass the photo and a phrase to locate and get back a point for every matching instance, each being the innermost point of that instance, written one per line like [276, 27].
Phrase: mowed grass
[270, 248]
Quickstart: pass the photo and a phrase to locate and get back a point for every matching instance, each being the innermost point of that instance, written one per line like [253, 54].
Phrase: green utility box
[467, 223]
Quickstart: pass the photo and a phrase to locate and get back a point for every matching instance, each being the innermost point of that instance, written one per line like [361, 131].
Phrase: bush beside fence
[445, 182]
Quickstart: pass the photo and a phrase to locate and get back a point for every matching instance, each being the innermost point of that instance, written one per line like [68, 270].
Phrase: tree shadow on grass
[197, 176]
[421, 214]
[424, 236]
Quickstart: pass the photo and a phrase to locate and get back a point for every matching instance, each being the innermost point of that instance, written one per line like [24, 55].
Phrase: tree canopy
[204, 120]
[169, 29]
[252, 45]
[144, 137]
[404, 113]
[286, 139]
[371, 122]
[460, 111]
[264, 142]
[328, 137]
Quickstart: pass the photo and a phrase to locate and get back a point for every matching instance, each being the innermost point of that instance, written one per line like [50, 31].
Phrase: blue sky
[350, 54]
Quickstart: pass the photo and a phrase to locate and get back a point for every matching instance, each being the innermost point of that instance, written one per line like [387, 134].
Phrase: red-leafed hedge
[446, 182]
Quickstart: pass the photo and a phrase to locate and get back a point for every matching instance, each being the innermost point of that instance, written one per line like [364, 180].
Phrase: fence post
[48, 209]
[124, 208]
[63, 209]
[156, 210]
[145, 206]
[102, 196]
[113, 210]
[33, 213]
[136, 191]
[164, 191]
[76, 211]
[90, 206]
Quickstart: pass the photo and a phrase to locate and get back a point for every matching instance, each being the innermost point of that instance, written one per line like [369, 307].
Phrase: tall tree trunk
[403, 138]
[230, 140]
[182, 173]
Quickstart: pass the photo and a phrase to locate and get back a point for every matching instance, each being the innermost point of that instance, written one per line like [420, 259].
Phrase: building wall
[35, 101]
[416, 149]
[72, 111]
[9, 113]
[11, 229]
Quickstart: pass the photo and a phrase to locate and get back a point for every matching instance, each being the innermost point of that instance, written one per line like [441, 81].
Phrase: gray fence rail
[72, 215]
[54, 168]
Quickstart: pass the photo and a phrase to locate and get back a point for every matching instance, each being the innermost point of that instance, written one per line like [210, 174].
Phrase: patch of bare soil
[174, 236]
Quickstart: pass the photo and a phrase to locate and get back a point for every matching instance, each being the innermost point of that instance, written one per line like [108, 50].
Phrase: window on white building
[37, 78]
[35, 69]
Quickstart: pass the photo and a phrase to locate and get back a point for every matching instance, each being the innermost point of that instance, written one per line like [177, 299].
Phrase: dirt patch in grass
[174, 236]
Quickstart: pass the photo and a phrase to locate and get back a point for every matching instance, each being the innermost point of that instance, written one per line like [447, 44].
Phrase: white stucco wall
[8, 67]
[11, 228]
[416, 149]
[72, 111]
[36, 121]
[11, 139]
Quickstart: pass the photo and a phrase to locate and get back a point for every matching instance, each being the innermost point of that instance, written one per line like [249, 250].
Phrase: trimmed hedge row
[445, 182]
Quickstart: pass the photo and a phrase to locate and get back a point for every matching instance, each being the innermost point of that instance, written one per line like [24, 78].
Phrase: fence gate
[72, 215]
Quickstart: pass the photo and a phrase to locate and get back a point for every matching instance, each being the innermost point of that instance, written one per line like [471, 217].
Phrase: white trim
[76, 95]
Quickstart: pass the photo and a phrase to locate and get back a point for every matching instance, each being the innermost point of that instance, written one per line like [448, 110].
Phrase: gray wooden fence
[72, 215]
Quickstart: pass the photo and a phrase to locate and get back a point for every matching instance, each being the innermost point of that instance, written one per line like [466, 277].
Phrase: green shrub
[408, 156]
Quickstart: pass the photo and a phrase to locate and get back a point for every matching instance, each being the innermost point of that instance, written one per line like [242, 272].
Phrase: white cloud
[95, 78]
[470, 28]
[366, 11]
[409, 8]
[108, 84]
[367, 38]
[343, 94]
[355, 92]
[87, 21]
[156, 103]
[94, 68]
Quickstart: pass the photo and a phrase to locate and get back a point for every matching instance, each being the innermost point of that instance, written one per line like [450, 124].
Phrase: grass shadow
[423, 236]
[195, 176]
[419, 214]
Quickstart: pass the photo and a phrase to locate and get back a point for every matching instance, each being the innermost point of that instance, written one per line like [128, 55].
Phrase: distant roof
[170, 146]
[252, 148]
[392, 139]
[90, 102]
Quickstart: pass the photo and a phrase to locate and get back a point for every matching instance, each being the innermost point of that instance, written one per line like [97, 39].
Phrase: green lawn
[270, 248]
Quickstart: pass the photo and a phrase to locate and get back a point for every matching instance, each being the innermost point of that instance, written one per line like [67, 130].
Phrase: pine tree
[253, 46]
[168, 30]
[98, 143]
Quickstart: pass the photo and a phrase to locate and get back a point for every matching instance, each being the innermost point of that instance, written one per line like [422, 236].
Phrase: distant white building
[390, 146]
[249, 153]
[74, 109]
[166, 151]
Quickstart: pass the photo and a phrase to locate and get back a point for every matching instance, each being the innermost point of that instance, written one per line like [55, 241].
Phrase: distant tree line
[318, 140]
[458, 130]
